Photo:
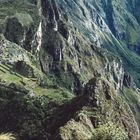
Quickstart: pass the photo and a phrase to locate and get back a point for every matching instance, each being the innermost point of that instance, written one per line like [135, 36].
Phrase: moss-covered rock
[96, 111]
[54, 49]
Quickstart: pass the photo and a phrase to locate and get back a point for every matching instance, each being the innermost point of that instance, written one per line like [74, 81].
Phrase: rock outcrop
[70, 69]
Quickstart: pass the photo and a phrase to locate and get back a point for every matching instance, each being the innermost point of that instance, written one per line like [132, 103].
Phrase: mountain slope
[66, 69]
[112, 24]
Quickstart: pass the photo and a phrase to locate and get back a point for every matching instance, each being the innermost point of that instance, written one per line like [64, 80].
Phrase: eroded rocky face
[112, 24]
[74, 59]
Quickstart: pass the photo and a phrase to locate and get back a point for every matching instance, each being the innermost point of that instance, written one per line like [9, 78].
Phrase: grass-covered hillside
[57, 78]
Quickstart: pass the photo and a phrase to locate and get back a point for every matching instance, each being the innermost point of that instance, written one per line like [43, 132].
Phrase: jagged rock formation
[112, 24]
[63, 69]
[98, 105]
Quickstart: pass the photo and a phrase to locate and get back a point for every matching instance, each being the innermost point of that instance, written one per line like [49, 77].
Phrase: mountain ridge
[61, 57]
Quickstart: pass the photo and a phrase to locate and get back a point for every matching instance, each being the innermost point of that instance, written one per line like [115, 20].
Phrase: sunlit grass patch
[7, 136]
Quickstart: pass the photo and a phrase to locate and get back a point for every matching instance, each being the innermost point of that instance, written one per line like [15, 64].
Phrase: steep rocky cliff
[70, 69]
[112, 24]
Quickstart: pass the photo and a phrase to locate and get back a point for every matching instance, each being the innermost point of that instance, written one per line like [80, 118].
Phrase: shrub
[109, 131]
